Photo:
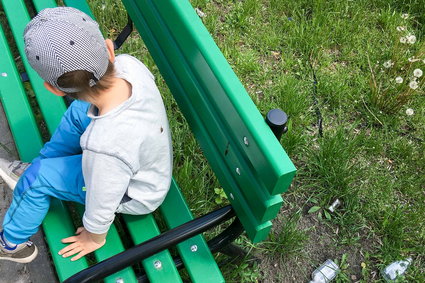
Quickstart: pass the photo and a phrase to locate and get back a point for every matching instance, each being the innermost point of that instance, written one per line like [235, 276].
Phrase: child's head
[67, 49]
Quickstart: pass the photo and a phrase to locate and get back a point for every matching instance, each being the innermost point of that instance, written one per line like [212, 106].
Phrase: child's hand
[84, 243]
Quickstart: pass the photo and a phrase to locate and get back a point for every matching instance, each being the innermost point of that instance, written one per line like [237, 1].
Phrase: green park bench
[240, 147]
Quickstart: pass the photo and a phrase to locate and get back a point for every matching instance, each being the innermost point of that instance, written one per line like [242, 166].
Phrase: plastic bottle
[325, 273]
[395, 269]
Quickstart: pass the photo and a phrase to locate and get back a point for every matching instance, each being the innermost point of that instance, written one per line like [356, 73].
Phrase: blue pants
[56, 172]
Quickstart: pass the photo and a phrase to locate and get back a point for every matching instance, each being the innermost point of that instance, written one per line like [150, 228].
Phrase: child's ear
[111, 50]
[53, 89]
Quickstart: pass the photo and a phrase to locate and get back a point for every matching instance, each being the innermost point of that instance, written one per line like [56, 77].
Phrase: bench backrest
[248, 160]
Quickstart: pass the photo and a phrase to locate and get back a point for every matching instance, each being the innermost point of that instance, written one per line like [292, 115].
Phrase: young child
[112, 150]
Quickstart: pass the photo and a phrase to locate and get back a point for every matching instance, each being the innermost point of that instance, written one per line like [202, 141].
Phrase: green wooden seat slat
[18, 111]
[143, 228]
[58, 225]
[112, 247]
[51, 106]
[199, 261]
[80, 5]
[42, 4]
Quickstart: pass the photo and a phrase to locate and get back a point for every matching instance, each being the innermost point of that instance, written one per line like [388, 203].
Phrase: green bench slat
[200, 263]
[143, 228]
[16, 106]
[80, 5]
[57, 226]
[52, 107]
[160, 46]
[42, 4]
[112, 246]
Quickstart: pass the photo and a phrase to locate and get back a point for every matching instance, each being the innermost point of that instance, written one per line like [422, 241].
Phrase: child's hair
[81, 80]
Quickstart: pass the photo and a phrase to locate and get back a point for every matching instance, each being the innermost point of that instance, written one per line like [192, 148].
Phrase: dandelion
[405, 16]
[413, 85]
[399, 80]
[418, 73]
[409, 112]
[200, 13]
[411, 38]
[388, 64]
[403, 39]
[103, 7]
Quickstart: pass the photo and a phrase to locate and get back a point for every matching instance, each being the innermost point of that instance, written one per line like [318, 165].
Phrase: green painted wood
[196, 255]
[57, 226]
[18, 111]
[51, 106]
[143, 228]
[80, 5]
[112, 247]
[210, 98]
[42, 4]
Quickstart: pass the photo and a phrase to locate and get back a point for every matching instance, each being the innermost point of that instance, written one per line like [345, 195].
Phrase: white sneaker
[22, 253]
[10, 172]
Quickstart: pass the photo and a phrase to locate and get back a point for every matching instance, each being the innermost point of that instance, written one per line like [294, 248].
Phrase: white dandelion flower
[103, 7]
[388, 64]
[411, 38]
[403, 39]
[400, 28]
[200, 13]
[399, 80]
[418, 73]
[413, 85]
[409, 112]
[405, 16]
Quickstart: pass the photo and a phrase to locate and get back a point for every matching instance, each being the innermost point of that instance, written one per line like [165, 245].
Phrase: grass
[371, 160]
[311, 58]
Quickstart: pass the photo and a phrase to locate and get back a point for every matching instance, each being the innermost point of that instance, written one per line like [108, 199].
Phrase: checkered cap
[63, 39]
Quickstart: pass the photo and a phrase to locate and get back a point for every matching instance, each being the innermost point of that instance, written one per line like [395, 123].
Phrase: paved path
[40, 270]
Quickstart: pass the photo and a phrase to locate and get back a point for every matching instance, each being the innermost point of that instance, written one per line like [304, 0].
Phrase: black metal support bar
[124, 34]
[153, 246]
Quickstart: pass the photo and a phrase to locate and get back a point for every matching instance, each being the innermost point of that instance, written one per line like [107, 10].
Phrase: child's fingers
[72, 252]
[79, 230]
[80, 255]
[69, 239]
[68, 248]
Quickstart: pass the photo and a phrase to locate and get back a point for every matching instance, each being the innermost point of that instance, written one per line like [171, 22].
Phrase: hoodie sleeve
[106, 178]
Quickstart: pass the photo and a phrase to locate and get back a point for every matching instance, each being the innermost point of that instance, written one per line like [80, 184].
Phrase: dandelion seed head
[388, 64]
[413, 84]
[418, 73]
[399, 80]
[409, 112]
[403, 39]
[411, 38]
[405, 16]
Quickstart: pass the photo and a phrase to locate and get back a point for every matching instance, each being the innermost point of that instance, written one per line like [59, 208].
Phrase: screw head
[245, 141]
[119, 280]
[4, 74]
[238, 171]
[157, 264]
[194, 248]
